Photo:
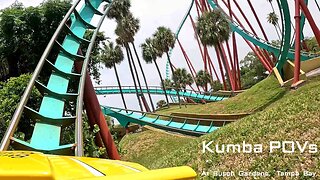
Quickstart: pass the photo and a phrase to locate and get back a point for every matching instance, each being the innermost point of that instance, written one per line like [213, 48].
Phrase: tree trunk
[134, 80]
[177, 89]
[162, 83]
[275, 26]
[119, 84]
[138, 80]
[143, 75]
[13, 66]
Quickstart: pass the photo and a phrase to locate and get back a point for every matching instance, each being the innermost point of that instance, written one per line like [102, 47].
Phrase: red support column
[236, 60]
[221, 69]
[227, 67]
[96, 116]
[297, 18]
[308, 15]
[197, 37]
[190, 66]
[145, 104]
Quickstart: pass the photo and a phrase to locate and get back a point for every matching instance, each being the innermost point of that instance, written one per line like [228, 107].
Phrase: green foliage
[215, 86]
[295, 115]
[127, 27]
[213, 28]
[163, 40]
[25, 32]
[149, 51]
[148, 147]
[257, 97]
[167, 84]
[182, 78]
[161, 103]
[90, 148]
[252, 70]
[95, 58]
[118, 9]
[111, 55]
[312, 44]
[273, 18]
[203, 78]
[10, 94]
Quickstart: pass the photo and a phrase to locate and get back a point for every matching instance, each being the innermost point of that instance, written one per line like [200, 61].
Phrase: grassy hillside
[149, 146]
[295, 117]
[260, 95]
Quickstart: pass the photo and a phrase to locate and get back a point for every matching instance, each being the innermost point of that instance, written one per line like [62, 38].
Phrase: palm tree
[164, 40]
[149, 54]
[110, 56]
[122, 42]
[270, 1]
[213, 29]
[182, 78]
[168, 84]
[274, 19]
[203, 78]
[215, 86]
[127, 27]
[118, 9]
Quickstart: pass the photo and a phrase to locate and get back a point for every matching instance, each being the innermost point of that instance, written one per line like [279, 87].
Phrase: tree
[168, 84]
[215, 86]
[312, 44]
[164, 40]
[10, 94]
[95, 60]
[25, 32]
[252, 71]
[118, 9]
[111, 56]
[161, 103]
[182, 78]
[213, 29]
[130, 26]
[203, 78]
[126, 29]
[274, 20]
[149, 54]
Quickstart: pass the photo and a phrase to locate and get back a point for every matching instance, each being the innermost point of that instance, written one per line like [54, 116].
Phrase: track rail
[183, 125]
[52, 115]
[105, 90]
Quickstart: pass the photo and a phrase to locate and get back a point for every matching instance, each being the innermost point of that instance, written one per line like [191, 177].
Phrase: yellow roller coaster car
[34, 165]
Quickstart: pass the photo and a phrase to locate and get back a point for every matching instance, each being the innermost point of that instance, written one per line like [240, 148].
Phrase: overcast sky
[154, 13]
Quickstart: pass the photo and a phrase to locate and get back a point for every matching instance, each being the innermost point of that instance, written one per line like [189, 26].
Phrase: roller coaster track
[52, 115]
[105, 90]
[183, 125]
[283, 52]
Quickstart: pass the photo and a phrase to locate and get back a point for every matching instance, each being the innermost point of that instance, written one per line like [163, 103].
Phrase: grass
[255, 98]
[294, 117]
[140, 148]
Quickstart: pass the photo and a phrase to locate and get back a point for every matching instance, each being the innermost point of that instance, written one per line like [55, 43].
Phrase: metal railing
[78, 125]
[237, 25]
[183, 92]
[168, 117]
[18, 113]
